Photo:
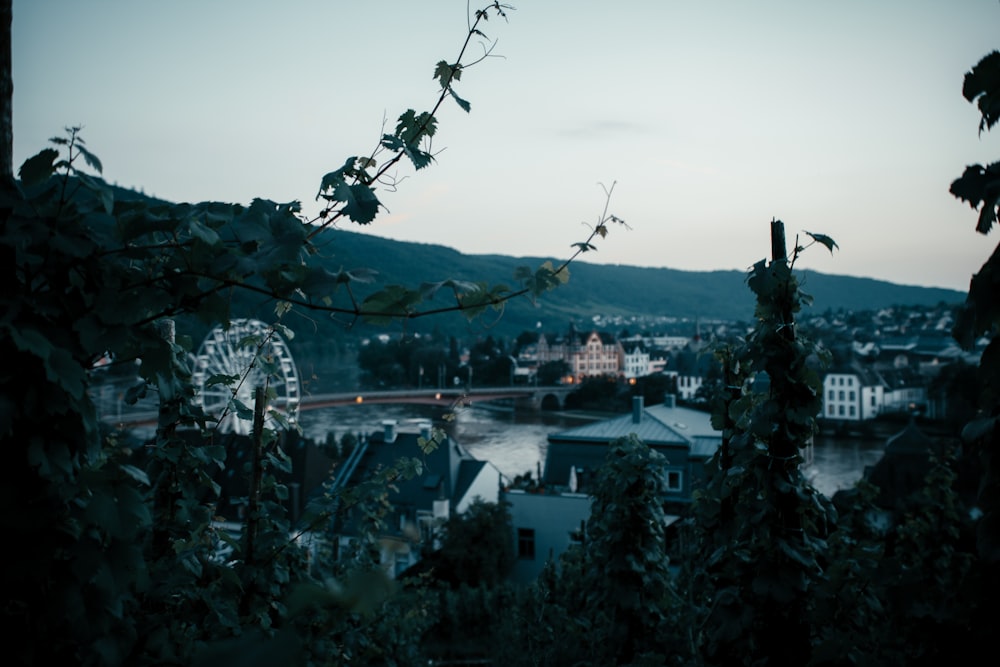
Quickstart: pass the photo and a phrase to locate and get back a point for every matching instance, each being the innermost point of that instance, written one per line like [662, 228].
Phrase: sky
[709, 119]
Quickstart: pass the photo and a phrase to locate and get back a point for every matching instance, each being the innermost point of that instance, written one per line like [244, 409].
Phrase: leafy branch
[94, 276]
[980, 315]
[349, 190]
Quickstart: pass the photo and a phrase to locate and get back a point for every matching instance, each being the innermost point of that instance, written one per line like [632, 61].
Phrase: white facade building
[636, 361]
[852, 395]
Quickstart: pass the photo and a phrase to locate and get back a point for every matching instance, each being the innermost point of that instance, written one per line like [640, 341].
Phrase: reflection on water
[838, 463]
[516, 442]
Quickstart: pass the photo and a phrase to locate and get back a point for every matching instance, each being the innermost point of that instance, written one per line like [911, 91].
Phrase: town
[893, 364]
[892, 361]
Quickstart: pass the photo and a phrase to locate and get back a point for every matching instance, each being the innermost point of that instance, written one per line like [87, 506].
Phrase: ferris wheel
[246, 344]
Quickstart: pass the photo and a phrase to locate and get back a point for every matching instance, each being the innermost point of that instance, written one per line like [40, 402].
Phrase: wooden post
[165, 423]
[778, 252]
[256, 474]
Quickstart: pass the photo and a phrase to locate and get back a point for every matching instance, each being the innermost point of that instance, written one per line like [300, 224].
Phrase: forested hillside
[610, 289]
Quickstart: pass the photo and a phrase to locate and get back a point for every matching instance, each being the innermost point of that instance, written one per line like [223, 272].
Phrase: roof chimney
[637, 407]
[389, 430]
[670, 401]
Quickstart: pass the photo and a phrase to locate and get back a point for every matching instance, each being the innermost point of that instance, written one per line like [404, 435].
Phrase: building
[593, 355]
[852, 393]
[856, 392]
[691, 366]
[635, 359]
[547, 521]
[905, 390]
[451, 480]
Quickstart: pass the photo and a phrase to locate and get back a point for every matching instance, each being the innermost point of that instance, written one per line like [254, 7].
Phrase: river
[516, 442]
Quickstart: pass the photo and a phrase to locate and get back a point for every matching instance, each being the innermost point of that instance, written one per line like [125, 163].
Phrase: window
[852, 410]
[850, 395]
[841, 394]
[674, 480]
[841, 410]
[831, 395]
[526, 543]
[425, 524]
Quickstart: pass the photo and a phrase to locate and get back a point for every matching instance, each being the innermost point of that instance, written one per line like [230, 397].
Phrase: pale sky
[840, 117]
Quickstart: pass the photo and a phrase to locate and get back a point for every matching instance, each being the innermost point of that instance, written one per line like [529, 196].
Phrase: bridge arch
[551, 402]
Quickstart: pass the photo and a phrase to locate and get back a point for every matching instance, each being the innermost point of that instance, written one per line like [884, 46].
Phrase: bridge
[522, 397]
[525, 397]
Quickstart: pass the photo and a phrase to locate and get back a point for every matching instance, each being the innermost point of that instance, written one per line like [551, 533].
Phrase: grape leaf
[360, 203]
[983, 82]
[38, 167]
[90, 158]
[825, 240]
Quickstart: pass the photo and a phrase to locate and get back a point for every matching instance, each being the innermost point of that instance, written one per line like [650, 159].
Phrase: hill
[607, 290]
[593, 289]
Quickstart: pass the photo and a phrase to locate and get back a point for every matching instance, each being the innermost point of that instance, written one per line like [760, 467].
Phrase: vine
[758, 521]
[979, 186]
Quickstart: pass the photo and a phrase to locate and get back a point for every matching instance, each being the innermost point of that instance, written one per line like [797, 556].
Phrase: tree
[980, 187]
[626, 553]
[552, 372]
[477, 547]
[476, 554]
[611, 599]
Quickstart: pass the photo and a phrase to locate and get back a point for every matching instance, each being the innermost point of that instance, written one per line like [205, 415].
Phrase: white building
[853, 394]
[636, 361]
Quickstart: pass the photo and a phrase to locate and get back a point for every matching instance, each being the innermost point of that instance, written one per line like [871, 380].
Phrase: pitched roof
[676, 432]
[468, 470]
[448, 471]
[656, 425]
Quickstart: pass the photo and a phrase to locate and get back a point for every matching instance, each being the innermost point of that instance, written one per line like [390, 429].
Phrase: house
[684, 436]
[905, 389]
[636, 360]
[691, 366]
[593, 355]
[548, 521]
[852, 393]
[309, 468]
[452, 479]
[596, 355]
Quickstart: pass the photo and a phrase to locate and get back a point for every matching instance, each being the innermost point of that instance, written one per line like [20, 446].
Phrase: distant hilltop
[594, 292]
[609, 291]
